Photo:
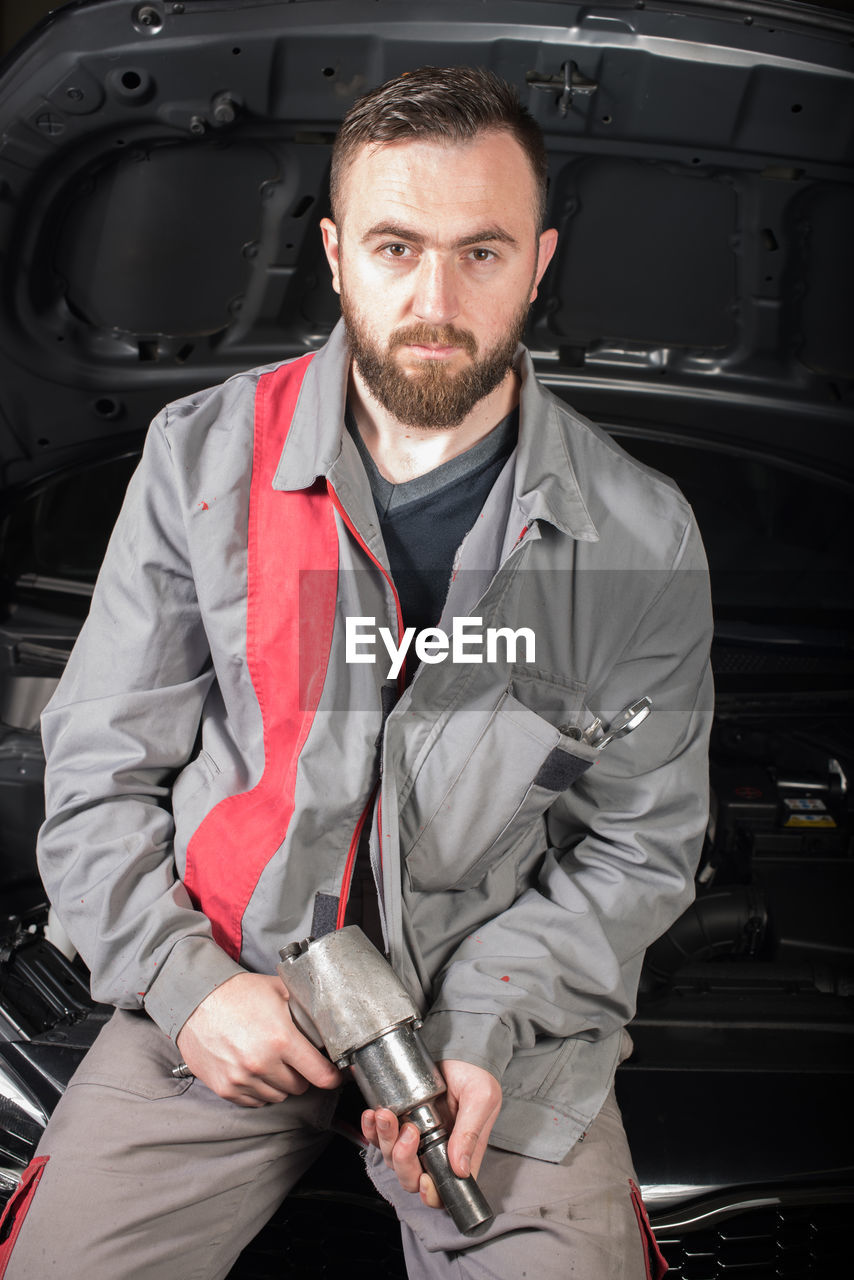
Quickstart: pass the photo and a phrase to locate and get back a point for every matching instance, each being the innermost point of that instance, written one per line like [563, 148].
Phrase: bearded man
[225, 774]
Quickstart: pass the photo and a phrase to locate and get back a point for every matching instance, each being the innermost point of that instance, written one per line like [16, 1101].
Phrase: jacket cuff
[195, 967]
[479, 1038]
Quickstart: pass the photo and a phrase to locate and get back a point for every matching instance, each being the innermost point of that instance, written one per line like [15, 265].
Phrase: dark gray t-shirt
[423, 521]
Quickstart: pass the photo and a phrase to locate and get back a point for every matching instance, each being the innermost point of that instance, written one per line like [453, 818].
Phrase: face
[437, 260]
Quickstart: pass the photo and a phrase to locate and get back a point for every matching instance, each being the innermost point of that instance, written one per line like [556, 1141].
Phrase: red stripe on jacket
[290, 619]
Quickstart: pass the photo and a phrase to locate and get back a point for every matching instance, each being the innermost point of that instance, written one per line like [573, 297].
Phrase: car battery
[789, 835]
[759, 813]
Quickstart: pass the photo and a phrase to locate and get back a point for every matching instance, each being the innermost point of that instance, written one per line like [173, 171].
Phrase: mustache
[444, 335]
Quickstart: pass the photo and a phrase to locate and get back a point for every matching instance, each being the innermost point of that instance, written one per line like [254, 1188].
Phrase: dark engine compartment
[736, 1099]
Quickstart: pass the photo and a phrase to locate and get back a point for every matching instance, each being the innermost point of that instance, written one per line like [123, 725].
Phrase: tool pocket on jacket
[463, 816]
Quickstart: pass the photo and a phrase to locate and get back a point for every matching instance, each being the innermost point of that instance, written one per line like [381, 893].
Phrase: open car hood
[163, 167]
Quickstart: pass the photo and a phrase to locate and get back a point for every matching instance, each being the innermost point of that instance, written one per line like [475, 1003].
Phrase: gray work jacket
[521, 875]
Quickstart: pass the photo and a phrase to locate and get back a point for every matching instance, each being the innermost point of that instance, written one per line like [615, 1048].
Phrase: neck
[403, 452]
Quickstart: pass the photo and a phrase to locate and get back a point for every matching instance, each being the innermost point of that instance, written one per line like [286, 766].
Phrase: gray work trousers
[142, 1176]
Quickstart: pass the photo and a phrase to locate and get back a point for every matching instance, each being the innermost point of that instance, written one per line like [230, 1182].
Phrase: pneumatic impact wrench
[346, 998]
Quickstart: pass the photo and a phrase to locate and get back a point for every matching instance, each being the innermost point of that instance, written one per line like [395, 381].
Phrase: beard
[429, 396]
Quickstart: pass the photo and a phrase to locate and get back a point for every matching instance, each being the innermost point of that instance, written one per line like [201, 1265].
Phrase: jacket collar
[314, 440]
[545, 488]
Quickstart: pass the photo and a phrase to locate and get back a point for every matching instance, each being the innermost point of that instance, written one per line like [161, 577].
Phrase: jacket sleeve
[122, 723]
[623, 844]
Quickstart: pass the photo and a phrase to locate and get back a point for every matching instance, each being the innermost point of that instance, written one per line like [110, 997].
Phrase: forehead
[431, 183]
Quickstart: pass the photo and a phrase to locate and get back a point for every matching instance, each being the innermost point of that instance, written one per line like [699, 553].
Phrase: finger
[427, 1191]
[280, 1076]
[369, 1128]
[254, 1094]
[405, 1160]
[312, 1065]
[270, 1083]
[469, 1138]
[288, 1081]
[305, 1059]
[388, 1132]
[268, 1094]
[483, 1140]
[245, 1099]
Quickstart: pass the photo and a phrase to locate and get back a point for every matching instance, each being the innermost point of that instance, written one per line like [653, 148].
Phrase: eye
[396, 250]
[483, 255]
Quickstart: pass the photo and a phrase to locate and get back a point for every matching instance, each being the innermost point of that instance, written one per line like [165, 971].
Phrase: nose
[436, 300]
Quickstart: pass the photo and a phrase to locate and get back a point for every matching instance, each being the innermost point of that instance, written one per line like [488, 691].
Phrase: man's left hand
[473, 1101]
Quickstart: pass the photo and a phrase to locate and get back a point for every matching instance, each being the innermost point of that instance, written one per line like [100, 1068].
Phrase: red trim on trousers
[16, 1210]
[291, 598]
[654, 1260]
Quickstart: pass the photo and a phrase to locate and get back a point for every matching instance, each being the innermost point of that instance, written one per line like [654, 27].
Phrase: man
[239, 755]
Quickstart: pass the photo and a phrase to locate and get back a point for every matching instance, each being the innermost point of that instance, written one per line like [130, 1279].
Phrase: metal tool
[346, 998]
[598, 735]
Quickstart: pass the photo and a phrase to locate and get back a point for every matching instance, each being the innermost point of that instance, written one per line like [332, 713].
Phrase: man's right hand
[243, 1044]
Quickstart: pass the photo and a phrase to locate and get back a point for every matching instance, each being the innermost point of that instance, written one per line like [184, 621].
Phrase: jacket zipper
[350, 864]
[353, 850]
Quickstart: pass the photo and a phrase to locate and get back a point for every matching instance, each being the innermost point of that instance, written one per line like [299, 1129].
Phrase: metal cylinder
[396, 1071]
[346, 989]
[347, 998]
[462, 1197]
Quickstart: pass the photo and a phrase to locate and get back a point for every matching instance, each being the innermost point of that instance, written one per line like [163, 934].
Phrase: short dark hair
[451, 103]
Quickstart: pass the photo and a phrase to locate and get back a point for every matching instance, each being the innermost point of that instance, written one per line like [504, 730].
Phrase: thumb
[477, 1095]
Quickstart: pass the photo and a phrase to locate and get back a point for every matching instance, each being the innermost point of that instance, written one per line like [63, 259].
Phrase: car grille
[786, 1242]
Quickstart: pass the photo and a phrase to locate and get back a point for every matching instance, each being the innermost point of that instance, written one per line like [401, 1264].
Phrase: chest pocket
[472, 802]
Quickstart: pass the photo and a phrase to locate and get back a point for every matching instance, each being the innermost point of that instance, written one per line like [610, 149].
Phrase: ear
[545, 252]
[329, 231]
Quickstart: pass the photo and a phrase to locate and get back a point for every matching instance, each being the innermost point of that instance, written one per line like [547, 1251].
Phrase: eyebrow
[485, 236]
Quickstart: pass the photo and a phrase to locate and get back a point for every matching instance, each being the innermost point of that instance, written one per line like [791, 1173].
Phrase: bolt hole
[796, 107]
[120, 142]
[131, 79]
[289, 246]
[147, 17]
[607, 119]
[106, 407]
[768, 279]
[695, 160]
[329, 71]
[43, 442]
[236, 50]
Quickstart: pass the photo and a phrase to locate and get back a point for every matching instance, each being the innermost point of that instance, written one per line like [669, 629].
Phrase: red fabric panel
[16, 1209]
[656, 1263]
[290, 619]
